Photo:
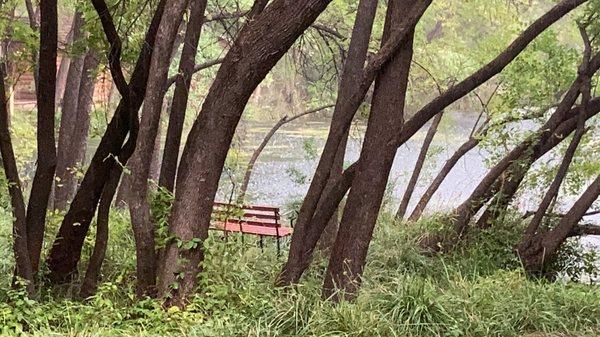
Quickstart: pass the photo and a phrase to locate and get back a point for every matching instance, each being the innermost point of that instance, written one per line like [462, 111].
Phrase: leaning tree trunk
[488, 186]
[412, 183]
[46, 149]
[348, 256]
[187, 62]
[258, 47]
[250, 167]
[439, 178]
[66, 250]
[23, 268]
[508, 185]
[539, 251]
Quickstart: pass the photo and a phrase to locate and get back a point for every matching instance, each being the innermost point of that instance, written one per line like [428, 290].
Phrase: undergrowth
[478, 290]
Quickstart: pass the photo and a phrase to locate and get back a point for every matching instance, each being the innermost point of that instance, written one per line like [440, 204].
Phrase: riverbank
[477, 291]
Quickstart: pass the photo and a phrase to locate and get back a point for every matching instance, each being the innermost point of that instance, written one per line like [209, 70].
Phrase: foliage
[476, 291]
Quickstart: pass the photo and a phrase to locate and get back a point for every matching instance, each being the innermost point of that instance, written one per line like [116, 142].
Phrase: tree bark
[348, 256]
[439, 178]
[353, 68]
[46, 149]
[259, 45]
[23, 268]
[412, 183]
[76, 157]
[187, 62]
[284, 120]
[68, 120]
[66, 250]
[540, 251]
[137, 181]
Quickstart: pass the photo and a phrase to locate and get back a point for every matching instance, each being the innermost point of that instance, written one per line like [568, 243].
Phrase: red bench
[250, 219]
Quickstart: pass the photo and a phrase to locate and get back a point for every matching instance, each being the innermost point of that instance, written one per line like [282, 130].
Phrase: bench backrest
[248, 214]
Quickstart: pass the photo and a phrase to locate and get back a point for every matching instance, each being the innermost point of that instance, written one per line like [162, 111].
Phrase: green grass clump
[478, 290]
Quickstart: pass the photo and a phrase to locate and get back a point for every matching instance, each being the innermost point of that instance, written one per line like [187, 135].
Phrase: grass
[477, 291]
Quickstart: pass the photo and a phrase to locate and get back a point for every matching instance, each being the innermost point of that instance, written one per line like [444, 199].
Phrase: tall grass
[478, 290]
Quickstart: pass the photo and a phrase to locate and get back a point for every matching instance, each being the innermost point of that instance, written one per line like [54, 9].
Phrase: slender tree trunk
[46, 149]
[92, 273]
[353, 67]
[439, 178]
[23, 268]
[349, 252]
[68, 120]
[540, 251]
[412, 183]
[168, 168]
[327, 239]
[63, 69]
[284, 120]
[66, 250]
[260, 44]
[75, 159]
[139, 208]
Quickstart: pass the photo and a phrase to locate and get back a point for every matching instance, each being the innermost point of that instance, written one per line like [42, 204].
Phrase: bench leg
[262, 245]
[278, 247]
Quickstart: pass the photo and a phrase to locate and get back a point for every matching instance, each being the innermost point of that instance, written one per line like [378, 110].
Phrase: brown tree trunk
[439, 178]
[412, 183]
[353, 68]
[187, 62]
[68, 120]
[348, 256]
[46, 148]
[284, 120]
[63, 69]
[137, 181]
[79, 138]
[66, 250]
[540, 250]
[23, 268]
[258, 47]
[92, 273]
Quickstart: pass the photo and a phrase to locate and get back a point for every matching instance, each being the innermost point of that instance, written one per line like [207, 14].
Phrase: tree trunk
[348, 256]
[23, 268]
[68, 121]
[137, 181]
[284, 120]
[63, 69]
[353, 67]
[92, 273]
[540, 251]
[412, 183]
[66, 250]
[258, 47]
[187, 62]
[439, 178]
[46, 149]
